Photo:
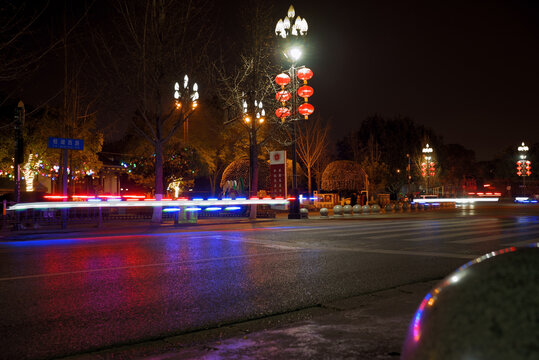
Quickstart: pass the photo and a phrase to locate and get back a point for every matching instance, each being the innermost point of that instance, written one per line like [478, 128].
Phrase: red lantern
[282, 112]
[282, 79]
[305, 74]
[282, 96]
[306, 109]
[519, 173]
[305, 91]
[528, 173]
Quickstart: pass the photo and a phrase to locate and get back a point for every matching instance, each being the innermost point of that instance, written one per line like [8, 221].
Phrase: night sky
[467, 69]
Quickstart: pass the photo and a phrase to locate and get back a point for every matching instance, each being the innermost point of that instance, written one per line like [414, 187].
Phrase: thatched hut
[344, 176]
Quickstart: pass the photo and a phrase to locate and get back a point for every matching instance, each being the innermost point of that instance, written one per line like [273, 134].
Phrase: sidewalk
[371, 326]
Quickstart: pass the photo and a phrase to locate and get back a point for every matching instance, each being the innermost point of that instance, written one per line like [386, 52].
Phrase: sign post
[65, 144]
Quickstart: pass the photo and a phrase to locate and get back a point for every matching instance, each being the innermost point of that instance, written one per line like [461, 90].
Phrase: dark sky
[467, 69]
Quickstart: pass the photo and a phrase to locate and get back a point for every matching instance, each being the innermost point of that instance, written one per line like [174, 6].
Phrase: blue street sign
[63, 143]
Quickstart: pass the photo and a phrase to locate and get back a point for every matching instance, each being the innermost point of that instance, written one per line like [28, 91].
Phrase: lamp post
[253, 118]
[293, 31]
[186, 96]
[427, 165]
[523, 164]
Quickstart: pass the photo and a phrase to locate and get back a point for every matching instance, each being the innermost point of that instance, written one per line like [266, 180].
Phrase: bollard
[487, 309]
[375, 208]
[365, 209]
[419, 206]
[347, 210]
[389, 208]
[356, 209]
[324, 212]
[337, 210]
[413, 206]
[304, 213]
[405, 206]
[398, 206]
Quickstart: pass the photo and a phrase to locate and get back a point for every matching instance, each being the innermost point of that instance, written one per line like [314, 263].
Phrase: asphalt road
[63, 295]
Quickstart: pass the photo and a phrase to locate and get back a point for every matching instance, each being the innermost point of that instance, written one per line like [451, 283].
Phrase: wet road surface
[66, 295]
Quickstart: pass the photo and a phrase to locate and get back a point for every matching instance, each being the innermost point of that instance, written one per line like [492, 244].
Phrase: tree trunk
[157, 210]
[254, 171]
[309, 180]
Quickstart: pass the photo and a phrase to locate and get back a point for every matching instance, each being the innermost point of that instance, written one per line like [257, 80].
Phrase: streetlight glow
[295, 53]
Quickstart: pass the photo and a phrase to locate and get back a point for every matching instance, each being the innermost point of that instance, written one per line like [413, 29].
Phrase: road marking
[493, 237]
[400, 229]
[453, 233]
[403, 252]
[185, 262]
[386, 226]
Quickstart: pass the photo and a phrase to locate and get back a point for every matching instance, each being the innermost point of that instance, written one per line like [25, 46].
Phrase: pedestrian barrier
[324, 212]
[347, 210]
[337, 210]
[356, 209]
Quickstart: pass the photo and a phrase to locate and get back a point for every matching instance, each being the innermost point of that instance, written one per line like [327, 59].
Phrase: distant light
[193, 209]
[213, 208]
[171, 210]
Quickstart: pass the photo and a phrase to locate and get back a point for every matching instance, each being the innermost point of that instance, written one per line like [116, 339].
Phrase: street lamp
[523, 164]
[427, 165]
[183, 97]
[293, 31]
[254, 116]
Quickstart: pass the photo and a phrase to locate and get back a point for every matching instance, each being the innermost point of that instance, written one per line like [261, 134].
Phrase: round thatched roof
[343, 175]
[240, 169]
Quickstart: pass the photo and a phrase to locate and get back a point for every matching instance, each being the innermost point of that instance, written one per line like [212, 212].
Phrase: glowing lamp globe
[305, 74]
[305, 91]
[306, 109]
[282, 112]
[282, 79]
[282, 95]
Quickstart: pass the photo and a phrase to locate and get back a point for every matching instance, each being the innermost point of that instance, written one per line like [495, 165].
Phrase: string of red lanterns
[304, 92]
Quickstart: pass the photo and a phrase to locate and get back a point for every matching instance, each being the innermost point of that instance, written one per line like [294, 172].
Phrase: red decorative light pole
[293, 29]
[523, 165]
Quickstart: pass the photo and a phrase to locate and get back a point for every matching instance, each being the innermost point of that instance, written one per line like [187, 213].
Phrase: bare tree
[156, 44]
[249, 83]
[311, 142]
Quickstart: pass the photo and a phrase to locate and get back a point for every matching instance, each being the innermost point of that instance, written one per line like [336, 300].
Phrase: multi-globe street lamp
[523, 164]
[253, 117]
[183, 96]
[427, 165]
[293, 31]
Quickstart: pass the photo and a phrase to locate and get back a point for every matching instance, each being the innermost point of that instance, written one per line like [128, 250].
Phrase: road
[63, 295]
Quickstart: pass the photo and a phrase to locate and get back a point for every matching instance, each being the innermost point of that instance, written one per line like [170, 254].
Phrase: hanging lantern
[282, 96]
[305, 91]
[282, 79]
[306, 109]
[305, 74]
[282, 112]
